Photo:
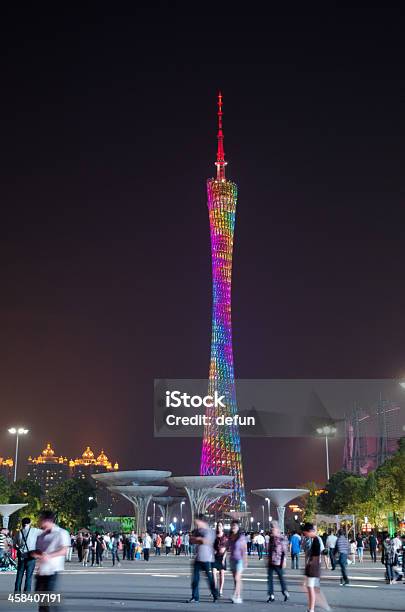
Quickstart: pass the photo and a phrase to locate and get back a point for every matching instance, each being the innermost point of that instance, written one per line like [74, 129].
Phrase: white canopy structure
[138, 486]
[6, 510]
[164, 504]
[280, 497]
[202, 491]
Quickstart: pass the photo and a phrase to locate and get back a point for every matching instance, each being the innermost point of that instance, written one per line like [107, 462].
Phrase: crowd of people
[214, 551]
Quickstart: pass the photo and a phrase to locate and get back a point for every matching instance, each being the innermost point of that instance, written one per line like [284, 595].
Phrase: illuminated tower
[221, 452]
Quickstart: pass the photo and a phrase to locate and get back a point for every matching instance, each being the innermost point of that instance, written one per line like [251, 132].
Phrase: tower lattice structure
[221, 449]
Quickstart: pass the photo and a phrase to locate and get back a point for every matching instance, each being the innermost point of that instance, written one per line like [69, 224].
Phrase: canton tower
[221, 451]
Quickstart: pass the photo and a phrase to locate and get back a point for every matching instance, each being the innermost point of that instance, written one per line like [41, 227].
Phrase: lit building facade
[221, 449]
[48, 469]
[88, 464]
[6, 468]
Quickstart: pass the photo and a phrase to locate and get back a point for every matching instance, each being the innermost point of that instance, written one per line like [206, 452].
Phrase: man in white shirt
[146, 545]
[52, 545]
[259, 541]
[331, 546]
[168, 543]
[26, 543]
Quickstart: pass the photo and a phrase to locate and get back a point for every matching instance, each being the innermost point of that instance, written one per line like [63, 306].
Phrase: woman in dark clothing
[278, 546]
[219, 565]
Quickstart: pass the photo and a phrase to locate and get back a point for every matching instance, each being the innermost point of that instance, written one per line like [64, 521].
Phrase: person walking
[179, 543]
[203, 538]
[237, 559]
[85, 546]
[389, 558]
[158, 545]
[168, 543]
[146, 545]
[219, 565]
[278, 546]
[79, 546]
[295, 548]
[260, 541]
[115, 542]
[51, 547]
[353, 550]
[331, 546]
[342, 548]
[25, 542]
[100, 547]
[70, 549]
[133, 542]
[360, 547]
[249, 538]
[313, 569]
[186, 541]
[373, 546]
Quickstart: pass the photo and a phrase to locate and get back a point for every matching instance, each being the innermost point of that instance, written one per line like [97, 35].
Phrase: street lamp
[263, 516]
[17, 432]
[181, 511]
[327, 431]
[258, 526]
[268, 509]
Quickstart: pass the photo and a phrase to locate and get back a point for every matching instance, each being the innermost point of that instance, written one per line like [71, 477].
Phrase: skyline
[107, 138]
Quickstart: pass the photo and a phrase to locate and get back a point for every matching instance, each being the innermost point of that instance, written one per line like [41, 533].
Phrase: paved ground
[164, 584]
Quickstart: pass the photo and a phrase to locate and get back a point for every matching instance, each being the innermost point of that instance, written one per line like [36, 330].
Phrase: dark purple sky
[107, 138]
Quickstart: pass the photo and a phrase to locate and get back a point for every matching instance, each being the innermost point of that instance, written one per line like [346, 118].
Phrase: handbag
[313, 567]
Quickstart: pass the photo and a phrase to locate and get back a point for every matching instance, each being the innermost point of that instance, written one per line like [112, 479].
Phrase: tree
[26, 491]
[310, 501]
[72, 501]
[4, 491]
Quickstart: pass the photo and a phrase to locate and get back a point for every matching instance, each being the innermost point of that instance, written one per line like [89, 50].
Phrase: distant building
[88, 464]
[371, 436]
[6, 468]
[48, 469]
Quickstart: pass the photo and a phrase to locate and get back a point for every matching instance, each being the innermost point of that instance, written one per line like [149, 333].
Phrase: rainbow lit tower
[221, 451]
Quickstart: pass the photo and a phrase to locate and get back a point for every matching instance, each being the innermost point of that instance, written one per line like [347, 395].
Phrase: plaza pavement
[163, 584]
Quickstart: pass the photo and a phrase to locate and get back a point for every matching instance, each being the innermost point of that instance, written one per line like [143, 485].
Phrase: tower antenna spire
[220, 163]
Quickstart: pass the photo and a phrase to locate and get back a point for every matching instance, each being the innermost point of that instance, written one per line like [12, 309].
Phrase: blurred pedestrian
[313, 569]
[219, 565]
[237, 559]
[342, 548]
[203, 537]
[50, 552]
[295, 548]
[278, 546]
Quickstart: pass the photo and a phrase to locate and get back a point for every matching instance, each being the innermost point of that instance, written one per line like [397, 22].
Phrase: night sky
[108, 134]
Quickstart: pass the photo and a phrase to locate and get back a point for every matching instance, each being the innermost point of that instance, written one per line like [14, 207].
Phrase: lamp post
[327, 431]
[17, 432]
[175, 523]
[181, 512]
[268, 508]
[264, 524]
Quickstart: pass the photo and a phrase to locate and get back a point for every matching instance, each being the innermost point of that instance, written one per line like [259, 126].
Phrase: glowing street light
[268, 509]
[327, 431]
[17, 432]
[181, 511]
